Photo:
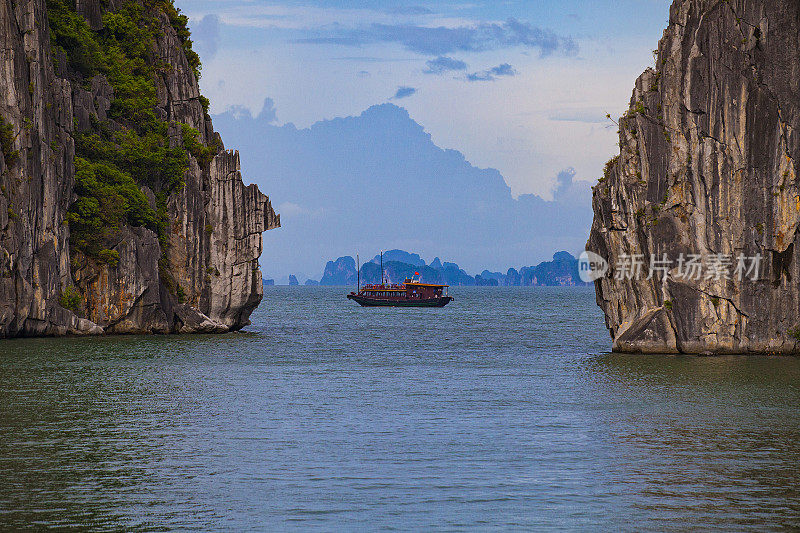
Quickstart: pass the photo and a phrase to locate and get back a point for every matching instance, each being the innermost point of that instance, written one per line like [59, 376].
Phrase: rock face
[214, 239]
[36, 177]
[340, 272]
[708, 167]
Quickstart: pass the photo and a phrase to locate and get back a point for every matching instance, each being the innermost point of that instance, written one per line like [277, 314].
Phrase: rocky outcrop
[340, 272]
[207, 279]
[707, 172]
[561, 271]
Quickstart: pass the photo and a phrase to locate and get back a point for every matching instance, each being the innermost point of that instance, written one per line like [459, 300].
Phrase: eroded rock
[708, 165]
[209, 279]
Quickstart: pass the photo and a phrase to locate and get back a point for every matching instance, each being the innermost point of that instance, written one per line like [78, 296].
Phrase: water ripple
[502, 411]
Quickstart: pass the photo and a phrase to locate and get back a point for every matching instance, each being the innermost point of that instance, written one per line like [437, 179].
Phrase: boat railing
[378, 287]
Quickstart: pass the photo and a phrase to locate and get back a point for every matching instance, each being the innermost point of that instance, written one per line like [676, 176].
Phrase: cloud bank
[441, 40]
[377, 181]
[205, 36]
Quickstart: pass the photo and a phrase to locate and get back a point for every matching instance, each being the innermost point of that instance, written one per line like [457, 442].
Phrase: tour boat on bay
[408, 294]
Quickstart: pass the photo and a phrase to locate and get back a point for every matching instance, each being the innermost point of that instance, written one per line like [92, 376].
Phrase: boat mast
[381, 267]
[358, 273]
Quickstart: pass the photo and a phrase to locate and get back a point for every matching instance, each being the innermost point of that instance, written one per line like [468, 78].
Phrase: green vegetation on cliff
[115, 158]
[107, 197]
[7, 143]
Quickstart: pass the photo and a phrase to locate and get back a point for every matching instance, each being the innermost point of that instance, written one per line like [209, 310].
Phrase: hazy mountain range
[399, 265]
[378, 181]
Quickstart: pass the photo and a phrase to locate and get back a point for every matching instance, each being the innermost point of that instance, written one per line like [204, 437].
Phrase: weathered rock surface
[708, 165]
[36, 178]
[215, 239]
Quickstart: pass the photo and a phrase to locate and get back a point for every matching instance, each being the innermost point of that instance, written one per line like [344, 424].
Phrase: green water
[501, 411]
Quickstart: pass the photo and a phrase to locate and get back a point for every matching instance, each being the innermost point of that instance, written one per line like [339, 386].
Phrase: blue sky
[517, 86]
[572, 62]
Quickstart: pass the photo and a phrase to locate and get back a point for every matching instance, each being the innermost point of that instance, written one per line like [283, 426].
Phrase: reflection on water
[500, 411]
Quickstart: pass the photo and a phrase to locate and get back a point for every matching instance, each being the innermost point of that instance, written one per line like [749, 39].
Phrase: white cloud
[530, 126]
[293, 210]
[547, 117]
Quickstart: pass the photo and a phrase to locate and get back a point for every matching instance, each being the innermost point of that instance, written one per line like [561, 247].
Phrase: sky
[522, 87]
[377, 181]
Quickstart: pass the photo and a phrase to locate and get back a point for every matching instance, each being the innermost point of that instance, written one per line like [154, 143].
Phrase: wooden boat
[408, 294]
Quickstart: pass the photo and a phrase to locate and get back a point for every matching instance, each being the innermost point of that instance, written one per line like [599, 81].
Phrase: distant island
[399, 265]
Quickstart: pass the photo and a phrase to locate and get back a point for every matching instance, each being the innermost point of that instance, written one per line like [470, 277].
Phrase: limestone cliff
[196, 270]
[708, 166]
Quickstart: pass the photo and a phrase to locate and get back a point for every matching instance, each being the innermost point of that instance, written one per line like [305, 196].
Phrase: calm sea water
[502, 411]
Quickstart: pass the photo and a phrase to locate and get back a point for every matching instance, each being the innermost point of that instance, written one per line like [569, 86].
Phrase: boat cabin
[410, 290]
[415, 290]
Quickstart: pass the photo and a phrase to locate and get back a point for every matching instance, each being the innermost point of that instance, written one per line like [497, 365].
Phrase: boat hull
[378, 302]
